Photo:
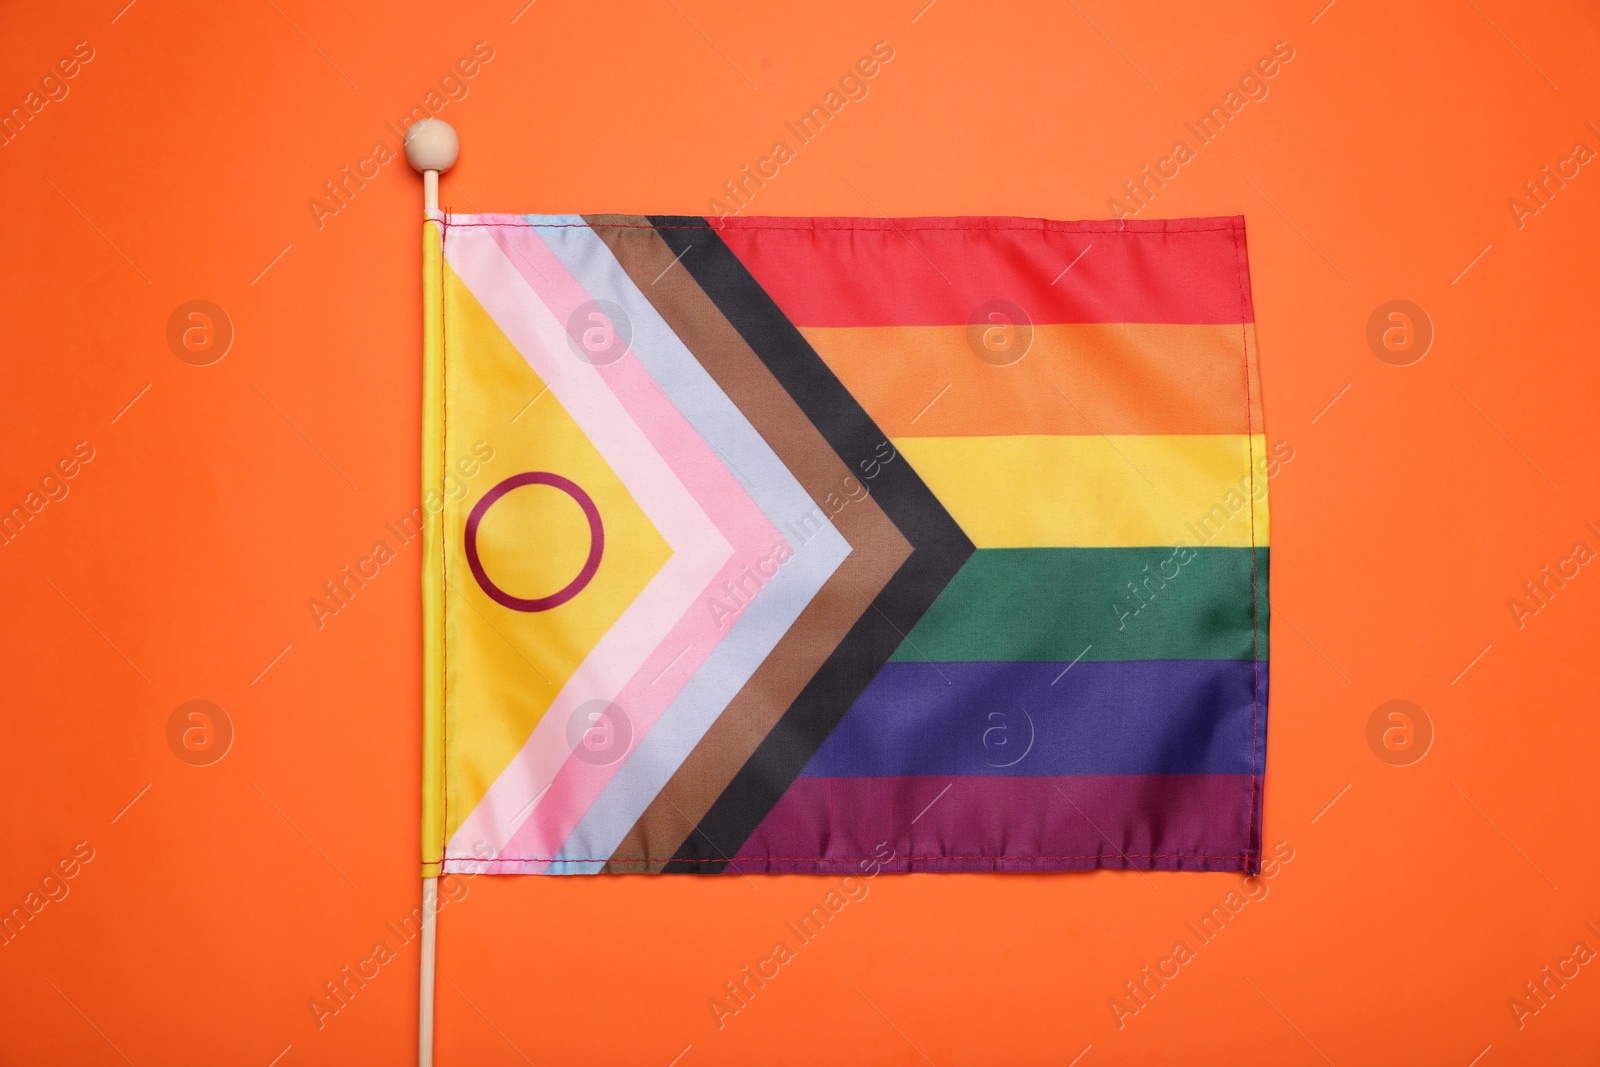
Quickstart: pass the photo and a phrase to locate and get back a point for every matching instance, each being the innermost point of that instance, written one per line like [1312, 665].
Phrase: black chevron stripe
[938, 546]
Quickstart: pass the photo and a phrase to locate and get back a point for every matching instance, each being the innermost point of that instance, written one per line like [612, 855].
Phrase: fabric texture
[826, 544]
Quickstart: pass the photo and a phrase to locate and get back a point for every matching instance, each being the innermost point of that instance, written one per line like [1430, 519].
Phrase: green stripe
[1051, 603]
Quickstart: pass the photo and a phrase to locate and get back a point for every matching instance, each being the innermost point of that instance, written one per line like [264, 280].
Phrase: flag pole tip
[432, 144]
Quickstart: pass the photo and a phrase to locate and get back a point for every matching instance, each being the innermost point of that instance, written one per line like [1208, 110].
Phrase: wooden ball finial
[432, 144]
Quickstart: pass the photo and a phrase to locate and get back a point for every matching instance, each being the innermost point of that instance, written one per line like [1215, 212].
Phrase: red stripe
[940, 271]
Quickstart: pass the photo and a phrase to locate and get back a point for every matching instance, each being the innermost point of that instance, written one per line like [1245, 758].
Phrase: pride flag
[832, 544]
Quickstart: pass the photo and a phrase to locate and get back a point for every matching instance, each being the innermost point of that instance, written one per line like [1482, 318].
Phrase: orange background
[217, 905]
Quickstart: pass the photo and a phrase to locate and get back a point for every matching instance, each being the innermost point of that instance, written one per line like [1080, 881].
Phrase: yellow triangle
[503, 667]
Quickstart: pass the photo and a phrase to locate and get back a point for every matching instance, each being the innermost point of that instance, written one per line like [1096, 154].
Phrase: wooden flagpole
[431, 146]
[430, 936]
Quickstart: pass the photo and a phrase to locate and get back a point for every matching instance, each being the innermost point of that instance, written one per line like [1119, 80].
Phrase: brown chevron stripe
[877, 547]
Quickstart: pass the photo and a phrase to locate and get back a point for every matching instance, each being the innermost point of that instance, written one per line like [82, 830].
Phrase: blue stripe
[1119, 717]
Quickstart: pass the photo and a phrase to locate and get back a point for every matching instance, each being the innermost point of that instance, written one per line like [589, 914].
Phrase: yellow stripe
[432, 621]
[1098, 492]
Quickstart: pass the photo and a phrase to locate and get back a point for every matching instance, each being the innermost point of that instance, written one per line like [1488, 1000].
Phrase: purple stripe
[1170, 822]
[1192, 716]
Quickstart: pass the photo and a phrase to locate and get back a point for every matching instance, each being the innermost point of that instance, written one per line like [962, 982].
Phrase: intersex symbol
[597, 541]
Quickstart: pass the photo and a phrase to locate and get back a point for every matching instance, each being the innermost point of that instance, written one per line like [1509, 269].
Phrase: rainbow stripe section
[1090, 690]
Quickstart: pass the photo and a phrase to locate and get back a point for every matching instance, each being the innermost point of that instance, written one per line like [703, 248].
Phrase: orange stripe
[1073, 379]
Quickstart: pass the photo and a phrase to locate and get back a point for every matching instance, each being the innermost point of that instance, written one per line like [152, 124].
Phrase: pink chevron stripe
[699, 548]
[741, 521]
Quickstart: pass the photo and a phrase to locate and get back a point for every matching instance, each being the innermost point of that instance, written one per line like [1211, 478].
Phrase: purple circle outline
[597, 541]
